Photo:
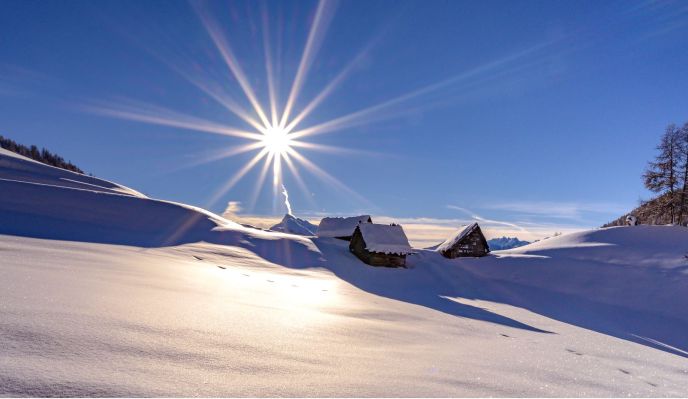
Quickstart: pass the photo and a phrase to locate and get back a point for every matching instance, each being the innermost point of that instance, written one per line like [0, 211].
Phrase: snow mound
[293, 225]
[637, 246]
[644, 268]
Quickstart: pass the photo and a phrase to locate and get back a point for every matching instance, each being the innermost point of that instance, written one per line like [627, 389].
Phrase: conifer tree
[683, 168]
[661, 175]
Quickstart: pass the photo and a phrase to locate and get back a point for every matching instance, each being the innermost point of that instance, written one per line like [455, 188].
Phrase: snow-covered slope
[293, 225]
[640, 267]
[195, 305]
[46, 202]
[14, 167]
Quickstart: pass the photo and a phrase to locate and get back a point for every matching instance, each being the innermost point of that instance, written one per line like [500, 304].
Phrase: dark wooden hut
[342, 228]
[466, 242]
[380, 245]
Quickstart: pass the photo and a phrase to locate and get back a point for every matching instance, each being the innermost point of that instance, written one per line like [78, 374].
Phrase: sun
[276, 140]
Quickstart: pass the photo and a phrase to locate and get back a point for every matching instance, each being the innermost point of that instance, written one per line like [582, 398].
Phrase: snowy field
[105, 292]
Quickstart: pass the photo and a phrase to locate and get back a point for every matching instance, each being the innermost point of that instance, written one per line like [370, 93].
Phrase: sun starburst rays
[274, 140]
[275, 130]
[323, 15]
[277, 134]
[222, 44]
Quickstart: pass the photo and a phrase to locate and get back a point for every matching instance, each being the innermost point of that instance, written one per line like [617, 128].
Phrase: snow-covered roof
[456, 237]
[340, 227]
[388, 239]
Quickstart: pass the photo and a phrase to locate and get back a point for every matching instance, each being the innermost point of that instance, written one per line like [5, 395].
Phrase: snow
[639, 267]
[293, 225]
[456, 237]
[386, 239]
[95, 302]
[340, 227]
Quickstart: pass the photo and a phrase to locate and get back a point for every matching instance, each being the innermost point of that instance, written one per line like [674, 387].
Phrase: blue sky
[534, 116]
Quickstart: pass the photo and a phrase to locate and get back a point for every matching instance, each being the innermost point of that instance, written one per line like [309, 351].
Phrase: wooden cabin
[380, 244]
[342, 228]
[466, 242]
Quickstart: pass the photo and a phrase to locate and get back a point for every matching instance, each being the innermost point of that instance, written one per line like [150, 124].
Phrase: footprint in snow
[244, 274]
[504, 335]
[269, 281]
[222, 267]
[574, 352]
[625, 371]
[651, 383]
[198, 257]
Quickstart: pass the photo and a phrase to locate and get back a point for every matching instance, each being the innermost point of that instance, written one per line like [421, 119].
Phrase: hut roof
[457, 237]
[340, 227]
[388, 239]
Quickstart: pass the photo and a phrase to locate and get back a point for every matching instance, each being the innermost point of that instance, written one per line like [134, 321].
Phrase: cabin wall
[358, 248]
[388, 260]
[473, 245]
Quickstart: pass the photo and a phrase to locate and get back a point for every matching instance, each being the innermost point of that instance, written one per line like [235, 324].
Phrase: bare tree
[662, 175]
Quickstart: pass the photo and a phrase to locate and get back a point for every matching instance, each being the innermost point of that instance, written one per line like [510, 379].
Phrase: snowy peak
[498, 244]
[293, 225]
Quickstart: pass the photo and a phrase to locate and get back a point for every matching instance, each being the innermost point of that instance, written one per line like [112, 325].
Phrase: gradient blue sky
[541, 114]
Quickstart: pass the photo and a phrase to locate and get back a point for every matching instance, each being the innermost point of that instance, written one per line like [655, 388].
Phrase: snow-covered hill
[46, 202]
[293, 225]
[14, 167]
[104, 292]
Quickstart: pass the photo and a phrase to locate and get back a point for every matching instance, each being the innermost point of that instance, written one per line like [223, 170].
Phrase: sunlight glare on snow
[303, 297]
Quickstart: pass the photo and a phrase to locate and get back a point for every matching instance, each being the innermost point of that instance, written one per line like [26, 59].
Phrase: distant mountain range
[497, 244]
[293, 225]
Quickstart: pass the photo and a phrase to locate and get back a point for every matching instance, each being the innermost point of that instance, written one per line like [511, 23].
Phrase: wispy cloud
[18, 81]
[478, 218]
[558, 210]
[653, 18]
